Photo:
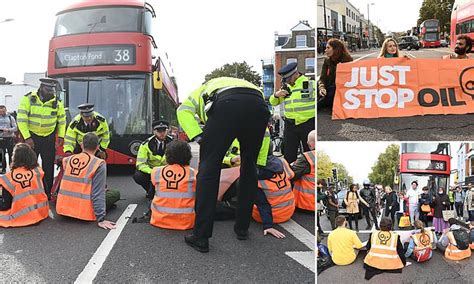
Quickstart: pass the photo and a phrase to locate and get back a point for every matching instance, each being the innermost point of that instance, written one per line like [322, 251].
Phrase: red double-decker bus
[429, 33]
[103, 52]
[427, 163]
[462, 20]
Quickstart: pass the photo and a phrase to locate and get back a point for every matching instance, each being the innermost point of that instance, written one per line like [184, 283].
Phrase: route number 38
[122, 55]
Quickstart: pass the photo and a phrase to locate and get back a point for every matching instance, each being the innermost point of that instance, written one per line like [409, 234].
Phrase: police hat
[86, 109]
[48, 82]
[288, 70]
[160, 124]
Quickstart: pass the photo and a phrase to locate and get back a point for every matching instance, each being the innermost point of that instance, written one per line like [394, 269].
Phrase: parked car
[409, 43]
[444, 43]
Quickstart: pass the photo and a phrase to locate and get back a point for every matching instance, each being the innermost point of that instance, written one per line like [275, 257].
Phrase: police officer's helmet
[366, 182]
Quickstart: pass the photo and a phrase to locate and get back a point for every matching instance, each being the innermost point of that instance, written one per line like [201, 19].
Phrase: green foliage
[236, 70]
[386, 166]
[342, 173]
[437, 9]
[325, 167]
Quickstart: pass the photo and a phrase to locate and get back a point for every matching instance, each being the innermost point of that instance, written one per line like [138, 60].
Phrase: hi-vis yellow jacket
[76, 131]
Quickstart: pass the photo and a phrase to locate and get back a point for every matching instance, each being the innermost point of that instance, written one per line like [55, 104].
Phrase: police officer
[152, 154]
[40, 116]
[368, 198]
[231, 108]
[298, 97]
[87, 121]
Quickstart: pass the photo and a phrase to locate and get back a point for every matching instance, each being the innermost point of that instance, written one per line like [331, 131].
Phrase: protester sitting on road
[342, 242]
[175, 187]
[332, 206]
[425, 208]
[421, 244]
[336, 53]
[391, 203]
[455, 241]
[352, 205]
[82, 192]
[462, 49]
[24, 201]
[440, 203]
[304, 169]
[385, 251]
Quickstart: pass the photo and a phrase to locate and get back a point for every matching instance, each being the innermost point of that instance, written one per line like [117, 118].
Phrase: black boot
[199, 244]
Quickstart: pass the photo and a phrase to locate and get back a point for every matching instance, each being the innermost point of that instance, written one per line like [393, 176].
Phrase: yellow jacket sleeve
[70, 139]
[105, 137]
[61, 120]
[274, 101]
[22, 117]
[142, 159]
[229, 155]
[186, 112]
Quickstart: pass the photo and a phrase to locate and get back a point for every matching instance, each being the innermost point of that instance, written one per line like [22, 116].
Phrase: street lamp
[7, 20]
[368, 20]
[325, 23]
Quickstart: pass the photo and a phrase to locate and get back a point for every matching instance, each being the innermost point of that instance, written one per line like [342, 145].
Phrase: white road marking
[441, 50]
[300, 233]
[305, 258]
[1, 239]
[100, 255]
[367, 55]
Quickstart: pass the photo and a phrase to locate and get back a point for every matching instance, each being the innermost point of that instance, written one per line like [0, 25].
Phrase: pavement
[61, 249]
[417, 128]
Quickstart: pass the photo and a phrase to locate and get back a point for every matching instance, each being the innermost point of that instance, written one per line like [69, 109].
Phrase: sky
[198, 36]
[391, 16]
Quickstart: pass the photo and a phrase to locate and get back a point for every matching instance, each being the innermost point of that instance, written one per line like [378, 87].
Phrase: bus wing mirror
[157, 82]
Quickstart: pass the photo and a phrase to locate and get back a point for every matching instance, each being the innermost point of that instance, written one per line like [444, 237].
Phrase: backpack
[462, 238]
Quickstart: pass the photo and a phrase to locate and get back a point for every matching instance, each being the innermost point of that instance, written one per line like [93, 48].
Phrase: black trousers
[238, 115]
[354, 217]
[293, 136]
[328, 100]
[392, 216]
[459, 208]
[7, 144]
[371, 211]
[332, 218]
[144, 180]
[46, 148]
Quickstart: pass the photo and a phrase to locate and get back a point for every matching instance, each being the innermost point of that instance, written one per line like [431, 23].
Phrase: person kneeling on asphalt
[82, 192]
[342, 242]
[422, 243]
[385, 251]
[175, 189]
[304, 179]
[455, 241]
[24, 201]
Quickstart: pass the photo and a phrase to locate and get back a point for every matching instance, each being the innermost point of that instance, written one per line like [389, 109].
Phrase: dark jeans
[144, 180]
[370, 211]
[332, 218]
[236, 115]
[471, 215]
[294, 136]
[46, 148]
[392, 216]
[318, 217]
[7, 145]
[459, 208]
[328, 100]
[424, 218]
[354, 217]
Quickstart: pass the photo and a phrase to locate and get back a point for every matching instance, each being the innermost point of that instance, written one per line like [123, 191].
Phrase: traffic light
[334, 174]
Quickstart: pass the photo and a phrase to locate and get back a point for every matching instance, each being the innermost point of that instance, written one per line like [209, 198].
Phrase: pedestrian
[8, 128]
[385, 251]
[151, 153]
[230, 108]
[321, 199]
[304, 169]
[459, 196]
[336, 53]
[82, 193]
[455, 241]
[332, 206]
[451, 198]
[367, 198]
[469, 201]
[421, 243]
[297, 95]
[173, 202]
[87, 121]
[352, 205]
[343, 244]
[425, 208]
[413, 195]
[391, 203]
[462, 49]
[41, 117]
[23, 201]
[440, 203]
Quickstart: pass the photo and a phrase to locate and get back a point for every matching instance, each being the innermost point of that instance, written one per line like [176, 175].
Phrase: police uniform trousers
[293, 136]
[144, 180]
[6, 143]
[237, 113]
[46, 148]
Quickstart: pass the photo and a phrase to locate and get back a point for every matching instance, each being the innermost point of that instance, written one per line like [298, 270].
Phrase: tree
[236, 70]
[342, 173]
[437, 9]
[324, 165]
[379, 35]
[384, 170]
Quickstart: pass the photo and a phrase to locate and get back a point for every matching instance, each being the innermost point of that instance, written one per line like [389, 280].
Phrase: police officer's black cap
[288, 70]
[86, 109]
[49, 82]
[160, 124]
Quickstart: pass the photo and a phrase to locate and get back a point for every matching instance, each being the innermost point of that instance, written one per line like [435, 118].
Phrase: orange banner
[403, 87]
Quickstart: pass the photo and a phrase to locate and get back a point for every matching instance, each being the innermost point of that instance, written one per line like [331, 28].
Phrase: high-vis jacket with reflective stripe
[279, 195]
[304, 187]
[75, 191]
[74, 135]
[452, 252]
[40, 118]
[194, 106]
[146, 160]
[262, 154]
[30, 203]
[173, 204]
[383, 251]
[300, 106]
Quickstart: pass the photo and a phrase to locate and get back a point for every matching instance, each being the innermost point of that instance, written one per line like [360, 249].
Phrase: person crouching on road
[421, 244]
[24, 201]
[456, 240]
[82, 193]
[385, 251]
[342, 242]
[175, 189]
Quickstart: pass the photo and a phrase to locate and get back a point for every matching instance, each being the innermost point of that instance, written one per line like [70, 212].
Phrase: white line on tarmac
[305, 258]
[1, 239]
[441, 51]
[300, 233]
[367, 55]
[100, 255]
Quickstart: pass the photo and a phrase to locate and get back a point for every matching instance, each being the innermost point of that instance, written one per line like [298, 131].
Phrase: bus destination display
[427, 165]
[99, 55]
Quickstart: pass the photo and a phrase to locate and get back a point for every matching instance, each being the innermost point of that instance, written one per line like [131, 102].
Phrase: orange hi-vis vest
[279, 195]
[383, 251]
[30, 203]
[423, 241]
[452, 252]
[74, 197]
[304, 187]
[173, 204]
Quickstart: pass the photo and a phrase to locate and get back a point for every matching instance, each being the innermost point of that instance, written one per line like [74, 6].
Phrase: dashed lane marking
[305, 258]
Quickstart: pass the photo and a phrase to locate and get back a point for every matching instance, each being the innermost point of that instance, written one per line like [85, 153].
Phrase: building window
[301, 41]
[309, 64]
[291, 60]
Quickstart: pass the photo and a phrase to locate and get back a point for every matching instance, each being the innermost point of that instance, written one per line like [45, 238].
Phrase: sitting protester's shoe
[199, 244]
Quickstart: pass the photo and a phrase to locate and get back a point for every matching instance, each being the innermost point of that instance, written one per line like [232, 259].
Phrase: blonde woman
[352, 205]
[389, 49]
